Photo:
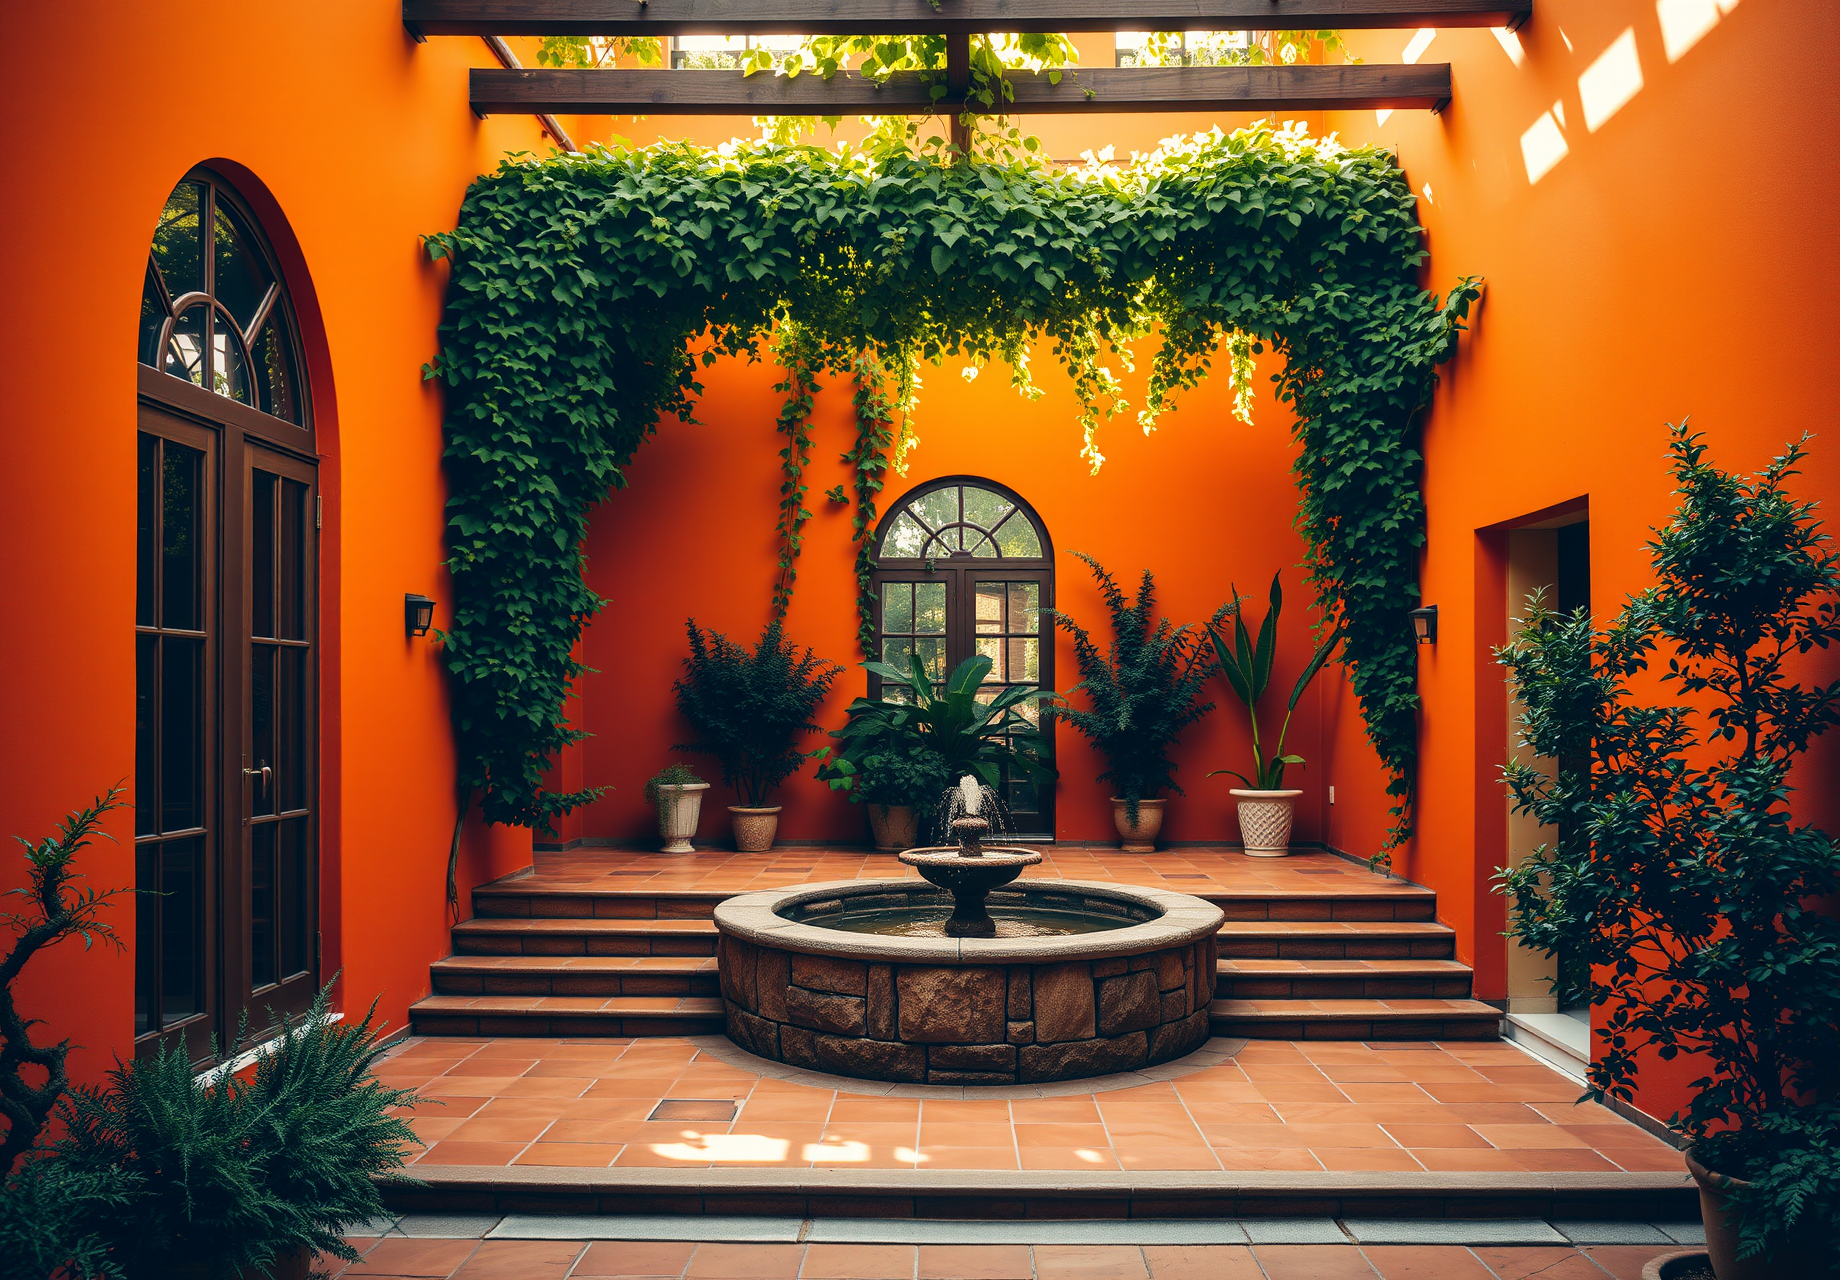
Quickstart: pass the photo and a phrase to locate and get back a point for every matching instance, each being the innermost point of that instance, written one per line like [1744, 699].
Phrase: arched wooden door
[964, 566]
[226, 635]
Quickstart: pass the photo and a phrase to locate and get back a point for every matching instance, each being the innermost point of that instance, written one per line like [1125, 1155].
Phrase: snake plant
[1247, 667]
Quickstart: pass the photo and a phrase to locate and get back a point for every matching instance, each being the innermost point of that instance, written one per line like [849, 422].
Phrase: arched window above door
[213, 309]
[961, 518]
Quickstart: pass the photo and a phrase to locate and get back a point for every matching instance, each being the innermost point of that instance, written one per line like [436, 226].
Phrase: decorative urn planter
[1265, 821]
[1799, 1255]
[894, 826]
[754, 828]
[1139, 836]
[679, 809]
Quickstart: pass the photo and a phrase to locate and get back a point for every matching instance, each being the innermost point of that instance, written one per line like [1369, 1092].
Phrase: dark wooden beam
[1090, 89]
[899, 17]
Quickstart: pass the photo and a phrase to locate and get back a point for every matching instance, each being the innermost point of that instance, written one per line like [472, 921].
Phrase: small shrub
[672, 775]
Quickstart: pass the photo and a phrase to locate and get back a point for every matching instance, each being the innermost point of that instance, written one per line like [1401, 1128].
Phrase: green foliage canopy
[586, 289]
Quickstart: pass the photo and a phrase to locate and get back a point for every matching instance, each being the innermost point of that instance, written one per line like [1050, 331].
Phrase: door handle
[265, 773]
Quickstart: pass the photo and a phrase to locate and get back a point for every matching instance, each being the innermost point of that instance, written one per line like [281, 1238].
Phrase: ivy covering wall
[587, 291]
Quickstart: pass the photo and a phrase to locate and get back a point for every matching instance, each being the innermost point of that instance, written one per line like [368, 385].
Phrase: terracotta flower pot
[679, 809]
[1139, 836]
[1265, 821]
[1798, 1256]
[1672, 1266]
[754, 828]
[894, 826]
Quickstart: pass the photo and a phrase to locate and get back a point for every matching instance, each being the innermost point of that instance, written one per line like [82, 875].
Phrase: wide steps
[584, 937]
[596, 975]
[1342, 979]
[457, 1015]
[1355, 1019]
[1337, 940]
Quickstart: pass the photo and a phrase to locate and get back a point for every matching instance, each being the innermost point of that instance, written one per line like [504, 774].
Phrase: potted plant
[896, 779]
[677, 793]
[1143, 691]
[749, 708]
[1679, 874]
[918, 739]
[1266, 806]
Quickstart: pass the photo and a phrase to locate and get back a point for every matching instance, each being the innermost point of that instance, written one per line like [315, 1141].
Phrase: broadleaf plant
[1679, 874]
[1247, 667]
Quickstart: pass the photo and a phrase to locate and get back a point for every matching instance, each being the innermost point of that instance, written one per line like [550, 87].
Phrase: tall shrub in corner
[1680, 874]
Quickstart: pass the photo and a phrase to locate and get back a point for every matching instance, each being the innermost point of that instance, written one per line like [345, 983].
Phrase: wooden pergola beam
[1089, 89]
[948, 17]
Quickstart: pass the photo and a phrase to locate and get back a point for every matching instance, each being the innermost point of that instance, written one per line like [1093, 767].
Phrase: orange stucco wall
[1678, 260]
[353, 141]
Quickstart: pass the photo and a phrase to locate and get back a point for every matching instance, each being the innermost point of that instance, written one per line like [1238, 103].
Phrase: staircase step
[1355, 1019]
[539, 900]
[1406, 902]
[1337, 940]
[584, 937]
[1247, 979]
[548, 975]
[566, 1016]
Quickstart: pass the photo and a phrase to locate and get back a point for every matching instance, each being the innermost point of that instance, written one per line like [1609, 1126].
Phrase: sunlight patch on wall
[1611, 81]
[1543, 146]
[1684, 23]
[1510, 44]
[1415, 49]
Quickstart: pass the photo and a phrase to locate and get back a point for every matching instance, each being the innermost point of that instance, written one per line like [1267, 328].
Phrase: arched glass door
[965, 567]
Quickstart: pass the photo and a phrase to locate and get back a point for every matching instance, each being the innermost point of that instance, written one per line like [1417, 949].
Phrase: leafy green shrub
[1679, 874]
[935, 735]
[749, 708]
[672, 775]
[52, 1216]
[1247, 667]
[234, 1175]
[1145, 688]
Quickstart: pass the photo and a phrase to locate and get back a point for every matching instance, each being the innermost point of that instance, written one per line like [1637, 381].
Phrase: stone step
[584, 937]
[513, 898]
[1355, 1019]
[1243, 979]
[1407, 902]
[596, 975]
[1337, 940]
[458, 1015]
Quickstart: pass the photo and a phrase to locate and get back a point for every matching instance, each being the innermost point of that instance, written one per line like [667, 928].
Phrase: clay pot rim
[1710, 1178]
[682, 786]
[1651, 1270]
[1159, 801]
[1246, 793]
[741, 808]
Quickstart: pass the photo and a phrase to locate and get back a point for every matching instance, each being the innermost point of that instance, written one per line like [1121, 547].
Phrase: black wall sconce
[1424, 623]
[418, 614]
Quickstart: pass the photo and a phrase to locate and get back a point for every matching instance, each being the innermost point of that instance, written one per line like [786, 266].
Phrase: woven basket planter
[1265, 821]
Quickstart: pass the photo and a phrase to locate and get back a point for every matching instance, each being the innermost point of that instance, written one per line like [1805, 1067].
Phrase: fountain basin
[801, 984]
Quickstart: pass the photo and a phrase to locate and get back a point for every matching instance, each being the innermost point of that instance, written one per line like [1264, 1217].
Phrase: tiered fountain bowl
[964, 980]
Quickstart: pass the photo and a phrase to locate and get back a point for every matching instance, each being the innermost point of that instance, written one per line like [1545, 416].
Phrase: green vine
[586, 290]
[868, 460]
[802, 362]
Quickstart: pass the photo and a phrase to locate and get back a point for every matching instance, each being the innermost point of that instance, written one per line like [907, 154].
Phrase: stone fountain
[970, 870]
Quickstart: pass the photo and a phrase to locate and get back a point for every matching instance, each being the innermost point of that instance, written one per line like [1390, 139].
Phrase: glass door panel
[1005, 614]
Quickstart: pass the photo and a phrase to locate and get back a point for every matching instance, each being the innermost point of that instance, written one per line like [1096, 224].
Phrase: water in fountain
[972, 798]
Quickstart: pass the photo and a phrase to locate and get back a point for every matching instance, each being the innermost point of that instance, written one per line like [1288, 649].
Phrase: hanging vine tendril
[587, 290]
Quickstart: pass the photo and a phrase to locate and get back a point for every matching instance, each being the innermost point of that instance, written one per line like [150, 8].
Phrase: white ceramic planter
[1139, 836]
[679, 809]
[1265, 821]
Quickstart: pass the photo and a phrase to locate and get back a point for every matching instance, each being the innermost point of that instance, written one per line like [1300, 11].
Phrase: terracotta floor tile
[521, 1260]
[1209, 1094]
[1425, 1262]
[1164, 1156]
[1282, 1093]
[967, 1158]
[885, 1135]
[595, 1067]
[432, 1129]
[1625, 1261]
[859, 1262]
[1562, 1160]
[968, 1111]
[1202, 1262]
[954, 1135]
[1313, 1262]
[1329, 1113]
[634, 1258]
[1434, 1135]
[1054, 1111]
[745, 1262]
[492, 1066]
[500, 1129]
[1548, 1263]
[399, 1257]
[1510, 1136]
[1062, 1135]
[1366, 1093]
[975, 1262]
[1302, 1135]
[1048, 1159]
[1490, 1113]
[1089, 1262]
[876, 1110]
[577, 1155]
[546, 1087]
[1655, 1159]
[1287, 1159]
[449, 1152]
[1467, 1160]
[1377, 1159]
[1578, 1113]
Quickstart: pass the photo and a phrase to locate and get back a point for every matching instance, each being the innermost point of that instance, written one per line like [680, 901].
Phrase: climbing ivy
[587, 290]
[800, 387]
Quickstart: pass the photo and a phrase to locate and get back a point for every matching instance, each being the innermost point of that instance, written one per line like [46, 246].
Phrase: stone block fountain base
[802, 985]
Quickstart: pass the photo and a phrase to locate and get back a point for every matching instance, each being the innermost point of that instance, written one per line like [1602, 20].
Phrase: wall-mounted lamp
[1424, 623]
[418, 614]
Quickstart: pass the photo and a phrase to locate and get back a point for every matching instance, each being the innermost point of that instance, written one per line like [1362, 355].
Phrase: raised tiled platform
[1314, 946]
